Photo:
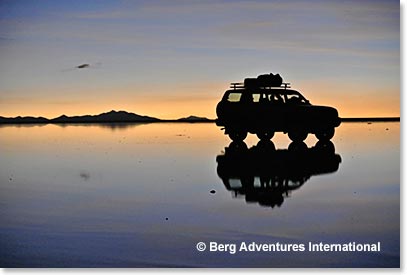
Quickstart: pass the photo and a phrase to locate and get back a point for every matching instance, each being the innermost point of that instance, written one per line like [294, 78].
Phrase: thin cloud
[83, 66]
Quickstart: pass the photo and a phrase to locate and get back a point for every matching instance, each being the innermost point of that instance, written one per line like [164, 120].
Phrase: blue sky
[175, 58]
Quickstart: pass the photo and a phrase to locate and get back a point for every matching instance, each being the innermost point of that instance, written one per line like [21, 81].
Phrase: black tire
[265, 135]
[325, 147]
[297, 135]
[238, 135]
[238, 146]
[266, 146]
[297, 146]
[326, 134]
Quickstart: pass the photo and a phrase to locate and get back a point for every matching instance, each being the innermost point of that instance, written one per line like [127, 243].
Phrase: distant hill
[22, 120]
[109, 117]
[194, 119]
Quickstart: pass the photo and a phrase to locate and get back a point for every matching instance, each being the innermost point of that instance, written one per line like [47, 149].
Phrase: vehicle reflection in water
[266, 175]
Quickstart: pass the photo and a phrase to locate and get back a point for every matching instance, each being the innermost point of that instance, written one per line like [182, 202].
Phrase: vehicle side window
[256, 97]
[276, 98]
[234, 97]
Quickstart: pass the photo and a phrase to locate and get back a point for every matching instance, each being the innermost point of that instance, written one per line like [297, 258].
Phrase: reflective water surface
[143, 195]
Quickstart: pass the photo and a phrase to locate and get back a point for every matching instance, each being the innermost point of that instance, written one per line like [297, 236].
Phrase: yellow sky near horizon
[181, 99]
[375, 103]
[172, 60]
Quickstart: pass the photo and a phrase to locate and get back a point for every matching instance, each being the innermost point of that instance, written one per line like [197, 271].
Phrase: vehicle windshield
[295, 99]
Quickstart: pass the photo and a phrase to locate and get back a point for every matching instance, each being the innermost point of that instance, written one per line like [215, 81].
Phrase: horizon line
[148, 119]
[355, 118]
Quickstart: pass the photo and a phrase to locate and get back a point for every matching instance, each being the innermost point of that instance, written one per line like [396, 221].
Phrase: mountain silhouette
[112, 116]
[23, 120]
[109, 117]
[194, 119]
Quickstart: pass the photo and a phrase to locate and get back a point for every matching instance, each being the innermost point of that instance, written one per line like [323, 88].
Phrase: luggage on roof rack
[264, 80]
[269, 80]
[250, 83]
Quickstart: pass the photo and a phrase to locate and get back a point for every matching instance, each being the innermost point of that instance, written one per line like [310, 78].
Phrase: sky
[172, 59]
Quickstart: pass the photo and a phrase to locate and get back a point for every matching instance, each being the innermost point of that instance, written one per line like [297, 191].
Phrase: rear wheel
[238, 135]
[265, 135]
[325, 134]
[297, 135]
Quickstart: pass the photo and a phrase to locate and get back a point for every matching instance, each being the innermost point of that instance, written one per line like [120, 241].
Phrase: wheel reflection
[265, 175]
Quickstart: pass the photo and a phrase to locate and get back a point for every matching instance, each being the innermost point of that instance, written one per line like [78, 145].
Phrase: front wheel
[326, 134]
[238, 135]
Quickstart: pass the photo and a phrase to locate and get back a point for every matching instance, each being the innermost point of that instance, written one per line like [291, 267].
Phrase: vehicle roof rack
[240, 85]
[236, 85]
[286, 85]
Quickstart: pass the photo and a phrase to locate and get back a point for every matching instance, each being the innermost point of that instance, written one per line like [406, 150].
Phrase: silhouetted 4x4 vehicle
[265, 109]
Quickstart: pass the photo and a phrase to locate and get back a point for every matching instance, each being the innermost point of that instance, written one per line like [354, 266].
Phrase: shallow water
[143, 195]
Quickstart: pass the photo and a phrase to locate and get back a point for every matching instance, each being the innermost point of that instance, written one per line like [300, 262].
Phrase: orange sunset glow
[158, 60]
